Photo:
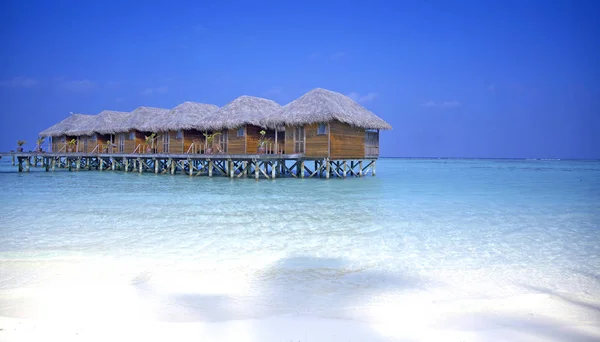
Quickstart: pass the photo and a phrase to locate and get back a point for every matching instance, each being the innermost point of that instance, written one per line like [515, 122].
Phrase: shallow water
[460, 234]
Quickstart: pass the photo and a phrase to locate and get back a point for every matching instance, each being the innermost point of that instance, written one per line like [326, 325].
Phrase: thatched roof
[111, 122]
[188, 115]
[71, 125]
[245, 110]
[322, 105]
[147, 119]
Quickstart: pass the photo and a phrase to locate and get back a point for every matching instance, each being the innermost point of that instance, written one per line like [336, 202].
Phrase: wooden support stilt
[327, 168]
[373, 169]
[301, 169]
[13, 160]
[191, 167]
[230, 168]
[78, 163]
[172, 164]
[126, 164]
[53, 164]
[112, 163]
[273, 169]
[46, 163]
[256, 171]
[20, 162]
[345, 167]
[69, 164]
[210, 168]
[100, 163]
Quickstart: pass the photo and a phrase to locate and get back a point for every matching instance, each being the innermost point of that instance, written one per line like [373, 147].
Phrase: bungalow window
[322, 129]
[240, 131]
[131, 135]
[179, 135]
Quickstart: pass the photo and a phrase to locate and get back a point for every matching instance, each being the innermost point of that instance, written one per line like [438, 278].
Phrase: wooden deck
[267, 166]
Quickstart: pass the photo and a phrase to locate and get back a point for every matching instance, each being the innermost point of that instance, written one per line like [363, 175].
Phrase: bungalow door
[166, 139]
[299, 139]
[85, 144]
[121, 142]
[223, 140]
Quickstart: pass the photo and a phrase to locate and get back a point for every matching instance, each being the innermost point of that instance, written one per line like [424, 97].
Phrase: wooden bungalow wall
[316, 145]
[236, 145]
[341, 141]
[346, 141]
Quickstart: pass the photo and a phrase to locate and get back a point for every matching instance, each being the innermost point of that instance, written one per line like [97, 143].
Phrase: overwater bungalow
[239, 124]
[107, 124]
[326, 124]
[142, 122]
[183, 128]
[67, 130]
[322, 133]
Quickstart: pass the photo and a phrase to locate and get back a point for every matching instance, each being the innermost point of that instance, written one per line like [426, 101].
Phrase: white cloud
[363, 98]
[337, 55]
[75, 85]
[445, 104]
[150, 91]
[20, 82]
[274, 91]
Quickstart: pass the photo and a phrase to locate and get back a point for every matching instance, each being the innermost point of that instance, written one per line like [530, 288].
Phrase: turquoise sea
[486, 247]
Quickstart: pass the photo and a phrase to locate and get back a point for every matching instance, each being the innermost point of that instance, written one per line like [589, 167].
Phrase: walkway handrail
[95, 148]
[191, 147]
[64, 148]
[137, 147]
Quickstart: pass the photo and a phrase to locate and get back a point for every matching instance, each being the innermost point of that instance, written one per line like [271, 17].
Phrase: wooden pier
[257, 166]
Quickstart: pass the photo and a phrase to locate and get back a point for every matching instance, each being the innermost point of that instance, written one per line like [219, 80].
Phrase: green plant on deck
[39, 143]
[210, 138]
[262, 141]
[150, 139]
[21, 142]
[72, 142]
[108, 144]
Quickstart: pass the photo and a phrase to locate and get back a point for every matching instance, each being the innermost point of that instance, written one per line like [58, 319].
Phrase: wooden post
[256, 170]
[53, 164]
[373, 168]
[327, 168]
[273, 168]
[126, 164]
[112, 163]
[360, 174]
[20, 161]
[344, 172]
[46, 164]
[231, 171]
[69, 164]
[156, 162]
[78, 163]
[191, 166]
[210, 168]
[301, 170]
[100, 163]
[172, 166]
[35, 161]
[13, 160]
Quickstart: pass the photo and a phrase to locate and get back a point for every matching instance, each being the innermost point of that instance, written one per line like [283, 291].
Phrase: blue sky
[454, 78]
